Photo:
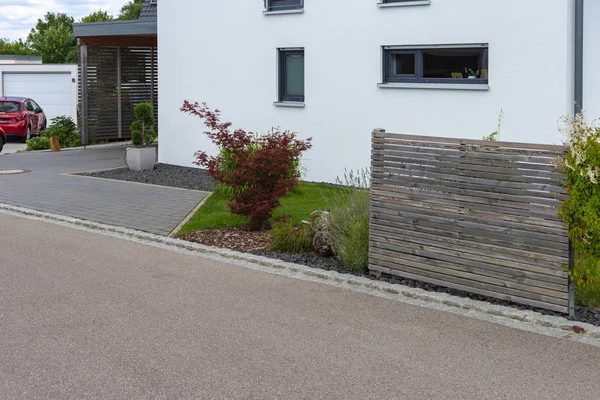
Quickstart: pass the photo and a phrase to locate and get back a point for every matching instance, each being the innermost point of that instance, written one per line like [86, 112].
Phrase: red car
[21, 117]
[2, 139]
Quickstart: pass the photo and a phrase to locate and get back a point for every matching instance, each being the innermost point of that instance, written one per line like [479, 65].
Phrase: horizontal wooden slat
[472, 204]
[508, 175]
[474, 142]
[494, 251]
[502, 191]
[417, 268]
[470, 214]
[520, 158]
[517, 201]
[459, 234]
[466, 259]
[482, 276]
[552, 234]
[475, 290]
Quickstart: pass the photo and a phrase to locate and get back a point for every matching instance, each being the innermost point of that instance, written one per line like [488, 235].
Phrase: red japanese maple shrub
[259, 169]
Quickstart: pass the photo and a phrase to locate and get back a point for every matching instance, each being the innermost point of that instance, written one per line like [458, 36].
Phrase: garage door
[52, 91]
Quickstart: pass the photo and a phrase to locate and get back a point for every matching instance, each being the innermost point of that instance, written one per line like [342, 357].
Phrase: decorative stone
[320, 224]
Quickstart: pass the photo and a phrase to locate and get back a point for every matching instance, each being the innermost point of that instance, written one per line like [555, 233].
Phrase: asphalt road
[84, 316]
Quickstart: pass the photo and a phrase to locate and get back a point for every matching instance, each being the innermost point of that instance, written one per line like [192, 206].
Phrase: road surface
[93, 317]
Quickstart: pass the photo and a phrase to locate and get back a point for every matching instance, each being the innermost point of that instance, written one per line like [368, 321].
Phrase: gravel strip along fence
[163, 175]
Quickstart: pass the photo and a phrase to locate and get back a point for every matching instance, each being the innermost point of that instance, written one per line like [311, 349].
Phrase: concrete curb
[463, 306]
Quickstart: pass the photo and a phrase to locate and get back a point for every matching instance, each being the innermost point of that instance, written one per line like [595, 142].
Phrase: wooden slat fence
[473, 215]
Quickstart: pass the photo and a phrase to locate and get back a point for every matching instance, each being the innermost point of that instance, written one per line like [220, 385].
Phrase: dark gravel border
[163, 175]
[582, 314]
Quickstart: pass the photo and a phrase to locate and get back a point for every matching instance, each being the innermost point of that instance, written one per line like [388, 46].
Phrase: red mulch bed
[238, 239]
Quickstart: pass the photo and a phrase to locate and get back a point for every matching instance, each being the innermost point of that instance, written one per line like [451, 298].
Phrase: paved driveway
[49, 187]
[11, 147]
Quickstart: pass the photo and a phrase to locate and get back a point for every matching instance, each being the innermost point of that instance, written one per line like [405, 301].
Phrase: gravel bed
[582, 314]
[163, 175]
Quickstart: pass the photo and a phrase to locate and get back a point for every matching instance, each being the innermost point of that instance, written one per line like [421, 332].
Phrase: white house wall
[225, 53]
[591, 60]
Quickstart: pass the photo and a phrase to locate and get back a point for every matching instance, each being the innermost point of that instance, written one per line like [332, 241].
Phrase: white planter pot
[140, 158]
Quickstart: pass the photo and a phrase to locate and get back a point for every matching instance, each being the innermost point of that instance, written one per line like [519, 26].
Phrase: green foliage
[141, 129]
[495, 136]
[38, 143]
[288, 238]
[349, 208]
[52, 38]
[97, 16]
[16, 47]
[581, 211]
[65, 129]
[131, 10]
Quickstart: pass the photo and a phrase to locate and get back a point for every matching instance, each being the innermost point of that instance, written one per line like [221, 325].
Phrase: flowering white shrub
[581, 211]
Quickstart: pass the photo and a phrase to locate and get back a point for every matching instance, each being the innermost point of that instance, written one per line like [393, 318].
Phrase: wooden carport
[118, 67]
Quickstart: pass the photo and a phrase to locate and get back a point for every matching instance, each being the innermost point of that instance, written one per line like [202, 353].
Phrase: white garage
[52, 86]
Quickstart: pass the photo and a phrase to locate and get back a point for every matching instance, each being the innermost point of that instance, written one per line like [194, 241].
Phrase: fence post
[571, 284]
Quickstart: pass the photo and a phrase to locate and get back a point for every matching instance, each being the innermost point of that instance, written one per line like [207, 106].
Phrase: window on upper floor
[436, 64]
[283, 5]
[291, 75]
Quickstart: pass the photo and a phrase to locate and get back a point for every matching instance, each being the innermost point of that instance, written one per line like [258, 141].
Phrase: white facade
[225, 53]
[52, 86]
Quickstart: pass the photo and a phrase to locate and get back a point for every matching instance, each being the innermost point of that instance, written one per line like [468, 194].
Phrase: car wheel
[43, 128]
[27, 135]
[1, 143]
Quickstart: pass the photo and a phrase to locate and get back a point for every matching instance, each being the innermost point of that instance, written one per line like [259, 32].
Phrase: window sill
[405, 4]
[289, 104]
[440, 86]
[283, 12]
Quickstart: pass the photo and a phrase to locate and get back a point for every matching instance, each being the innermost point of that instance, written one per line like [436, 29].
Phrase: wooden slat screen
[139, 83]
[473, 215]
[102, 118]
[138, 70]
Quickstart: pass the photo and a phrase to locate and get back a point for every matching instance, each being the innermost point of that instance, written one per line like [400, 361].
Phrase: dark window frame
[388, 77]
[293, 5]
[283, 96]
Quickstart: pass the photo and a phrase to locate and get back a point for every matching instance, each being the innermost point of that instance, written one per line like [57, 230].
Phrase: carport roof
[140, 32]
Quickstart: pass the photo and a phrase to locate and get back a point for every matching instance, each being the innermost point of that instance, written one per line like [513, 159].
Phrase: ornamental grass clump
[349, 209]
[258, 170]
[581, 211]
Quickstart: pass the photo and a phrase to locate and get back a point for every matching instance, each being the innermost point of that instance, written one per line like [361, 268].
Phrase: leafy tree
[52, 38]
[131, 10]
[97, 16]
[17, 47]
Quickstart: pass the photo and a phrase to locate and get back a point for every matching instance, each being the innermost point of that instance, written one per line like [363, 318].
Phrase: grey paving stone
[49, 188]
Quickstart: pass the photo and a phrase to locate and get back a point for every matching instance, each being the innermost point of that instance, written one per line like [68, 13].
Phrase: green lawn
[305, 199]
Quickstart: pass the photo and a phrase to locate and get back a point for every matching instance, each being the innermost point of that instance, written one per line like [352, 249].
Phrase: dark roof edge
[116, 28]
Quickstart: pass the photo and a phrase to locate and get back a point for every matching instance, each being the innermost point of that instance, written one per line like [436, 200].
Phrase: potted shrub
[142, 157]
